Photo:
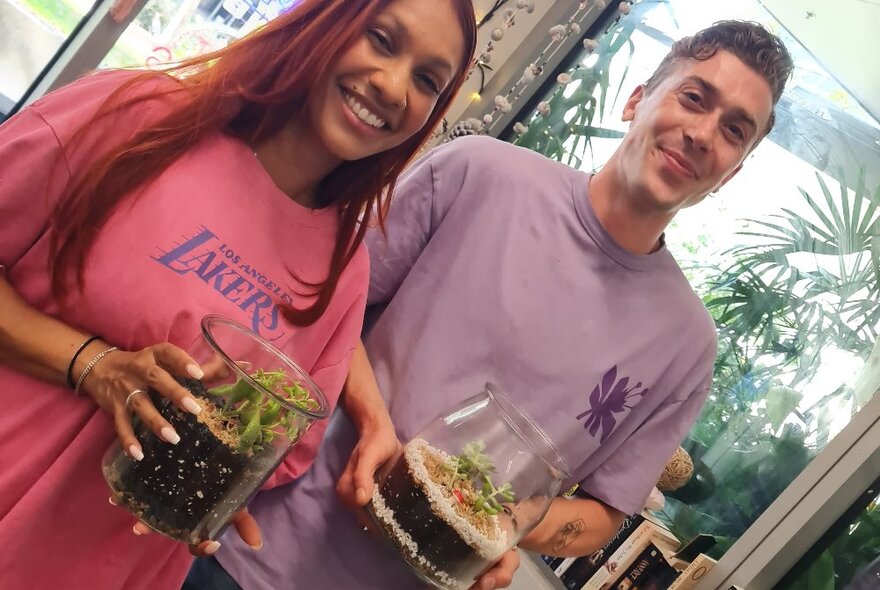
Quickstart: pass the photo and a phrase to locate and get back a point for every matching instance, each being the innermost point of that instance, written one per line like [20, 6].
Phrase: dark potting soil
[437, 541]
[175, 487]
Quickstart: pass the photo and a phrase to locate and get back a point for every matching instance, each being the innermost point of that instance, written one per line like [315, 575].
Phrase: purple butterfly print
[610, 397]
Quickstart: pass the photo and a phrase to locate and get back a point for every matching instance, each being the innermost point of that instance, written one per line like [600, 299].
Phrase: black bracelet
[81, 348]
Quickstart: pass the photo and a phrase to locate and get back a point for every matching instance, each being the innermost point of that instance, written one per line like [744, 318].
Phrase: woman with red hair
[132, 203]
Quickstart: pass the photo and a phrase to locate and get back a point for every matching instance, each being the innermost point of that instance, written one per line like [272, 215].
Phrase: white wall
[513, 36]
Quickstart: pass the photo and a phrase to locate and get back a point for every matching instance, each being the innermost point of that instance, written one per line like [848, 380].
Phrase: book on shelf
[696, 571]
[552, 561]
[613, 567]
[564, 565]
[660, 577]
[641, 569]
[582, 568]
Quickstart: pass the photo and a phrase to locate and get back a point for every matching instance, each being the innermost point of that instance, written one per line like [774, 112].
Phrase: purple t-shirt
[496, 268]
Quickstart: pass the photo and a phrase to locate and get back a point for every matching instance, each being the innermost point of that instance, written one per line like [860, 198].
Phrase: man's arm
[574, 527]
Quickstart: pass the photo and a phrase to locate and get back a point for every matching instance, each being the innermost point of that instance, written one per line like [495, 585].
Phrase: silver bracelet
[90, 366]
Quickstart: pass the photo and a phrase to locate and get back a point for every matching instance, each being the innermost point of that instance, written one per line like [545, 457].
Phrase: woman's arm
[378, 442]
[37, 344]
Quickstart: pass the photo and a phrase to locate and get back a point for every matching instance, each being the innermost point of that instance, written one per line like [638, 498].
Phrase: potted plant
[442, 505]
[249, 421]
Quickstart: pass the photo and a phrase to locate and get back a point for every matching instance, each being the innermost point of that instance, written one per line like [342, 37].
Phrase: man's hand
[501, 574]
[377, 446]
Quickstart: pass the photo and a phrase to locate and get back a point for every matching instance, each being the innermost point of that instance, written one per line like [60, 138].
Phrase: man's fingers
[505, 569]
[499, 575]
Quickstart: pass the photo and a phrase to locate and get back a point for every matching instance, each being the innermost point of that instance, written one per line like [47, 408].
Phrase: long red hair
[249, 89]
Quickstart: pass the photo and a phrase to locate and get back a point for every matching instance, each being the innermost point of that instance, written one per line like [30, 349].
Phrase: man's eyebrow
[711, 90]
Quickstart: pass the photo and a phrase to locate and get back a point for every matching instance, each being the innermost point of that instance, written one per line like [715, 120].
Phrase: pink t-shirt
[212, 234]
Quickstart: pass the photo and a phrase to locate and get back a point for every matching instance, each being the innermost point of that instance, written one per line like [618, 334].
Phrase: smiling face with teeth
[691, 132]
[381, 91]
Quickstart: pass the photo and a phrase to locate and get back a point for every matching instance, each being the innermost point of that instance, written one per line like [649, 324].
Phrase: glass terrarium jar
[466, 489]
[256, 404]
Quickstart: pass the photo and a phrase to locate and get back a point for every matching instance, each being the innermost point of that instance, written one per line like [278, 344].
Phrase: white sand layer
[443, 506]
[408, 545]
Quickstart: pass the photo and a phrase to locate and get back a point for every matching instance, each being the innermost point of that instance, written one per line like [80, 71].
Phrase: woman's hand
[118, 383]
[245, 525]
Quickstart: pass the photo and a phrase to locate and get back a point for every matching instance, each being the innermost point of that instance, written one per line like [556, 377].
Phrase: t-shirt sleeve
[625, 480]
[32, 178]
[39, 157]
[423, 196]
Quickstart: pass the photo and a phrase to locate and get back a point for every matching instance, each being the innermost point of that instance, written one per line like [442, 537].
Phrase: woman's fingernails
[136, 530]
[361, 495]
[211, 548]
[258, 546]
[194, 371]
[191, 405]
[135, 452]
[112, 501]
[170, 435]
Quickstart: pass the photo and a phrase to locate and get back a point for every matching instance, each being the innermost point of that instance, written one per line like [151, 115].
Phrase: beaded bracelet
[76, 354]
[90, 366]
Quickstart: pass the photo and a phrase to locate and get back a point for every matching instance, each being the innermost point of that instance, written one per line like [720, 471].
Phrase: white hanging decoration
[519, 128]
[531, 71]
[503, 104]
[463, 128]
[558, 32]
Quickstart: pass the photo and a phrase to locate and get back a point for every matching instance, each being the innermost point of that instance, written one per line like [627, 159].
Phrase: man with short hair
[501, 265]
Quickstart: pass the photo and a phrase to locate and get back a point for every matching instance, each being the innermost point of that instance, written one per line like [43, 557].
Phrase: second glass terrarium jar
[466, 489]
[257, 403]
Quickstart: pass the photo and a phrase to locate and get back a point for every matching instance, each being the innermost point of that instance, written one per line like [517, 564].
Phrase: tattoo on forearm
[568, 533]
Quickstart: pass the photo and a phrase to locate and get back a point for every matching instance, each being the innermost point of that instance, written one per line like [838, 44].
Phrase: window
[786, 257]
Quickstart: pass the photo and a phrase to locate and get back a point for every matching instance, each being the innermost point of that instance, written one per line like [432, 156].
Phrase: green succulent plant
[475, 466]
[257, 415]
